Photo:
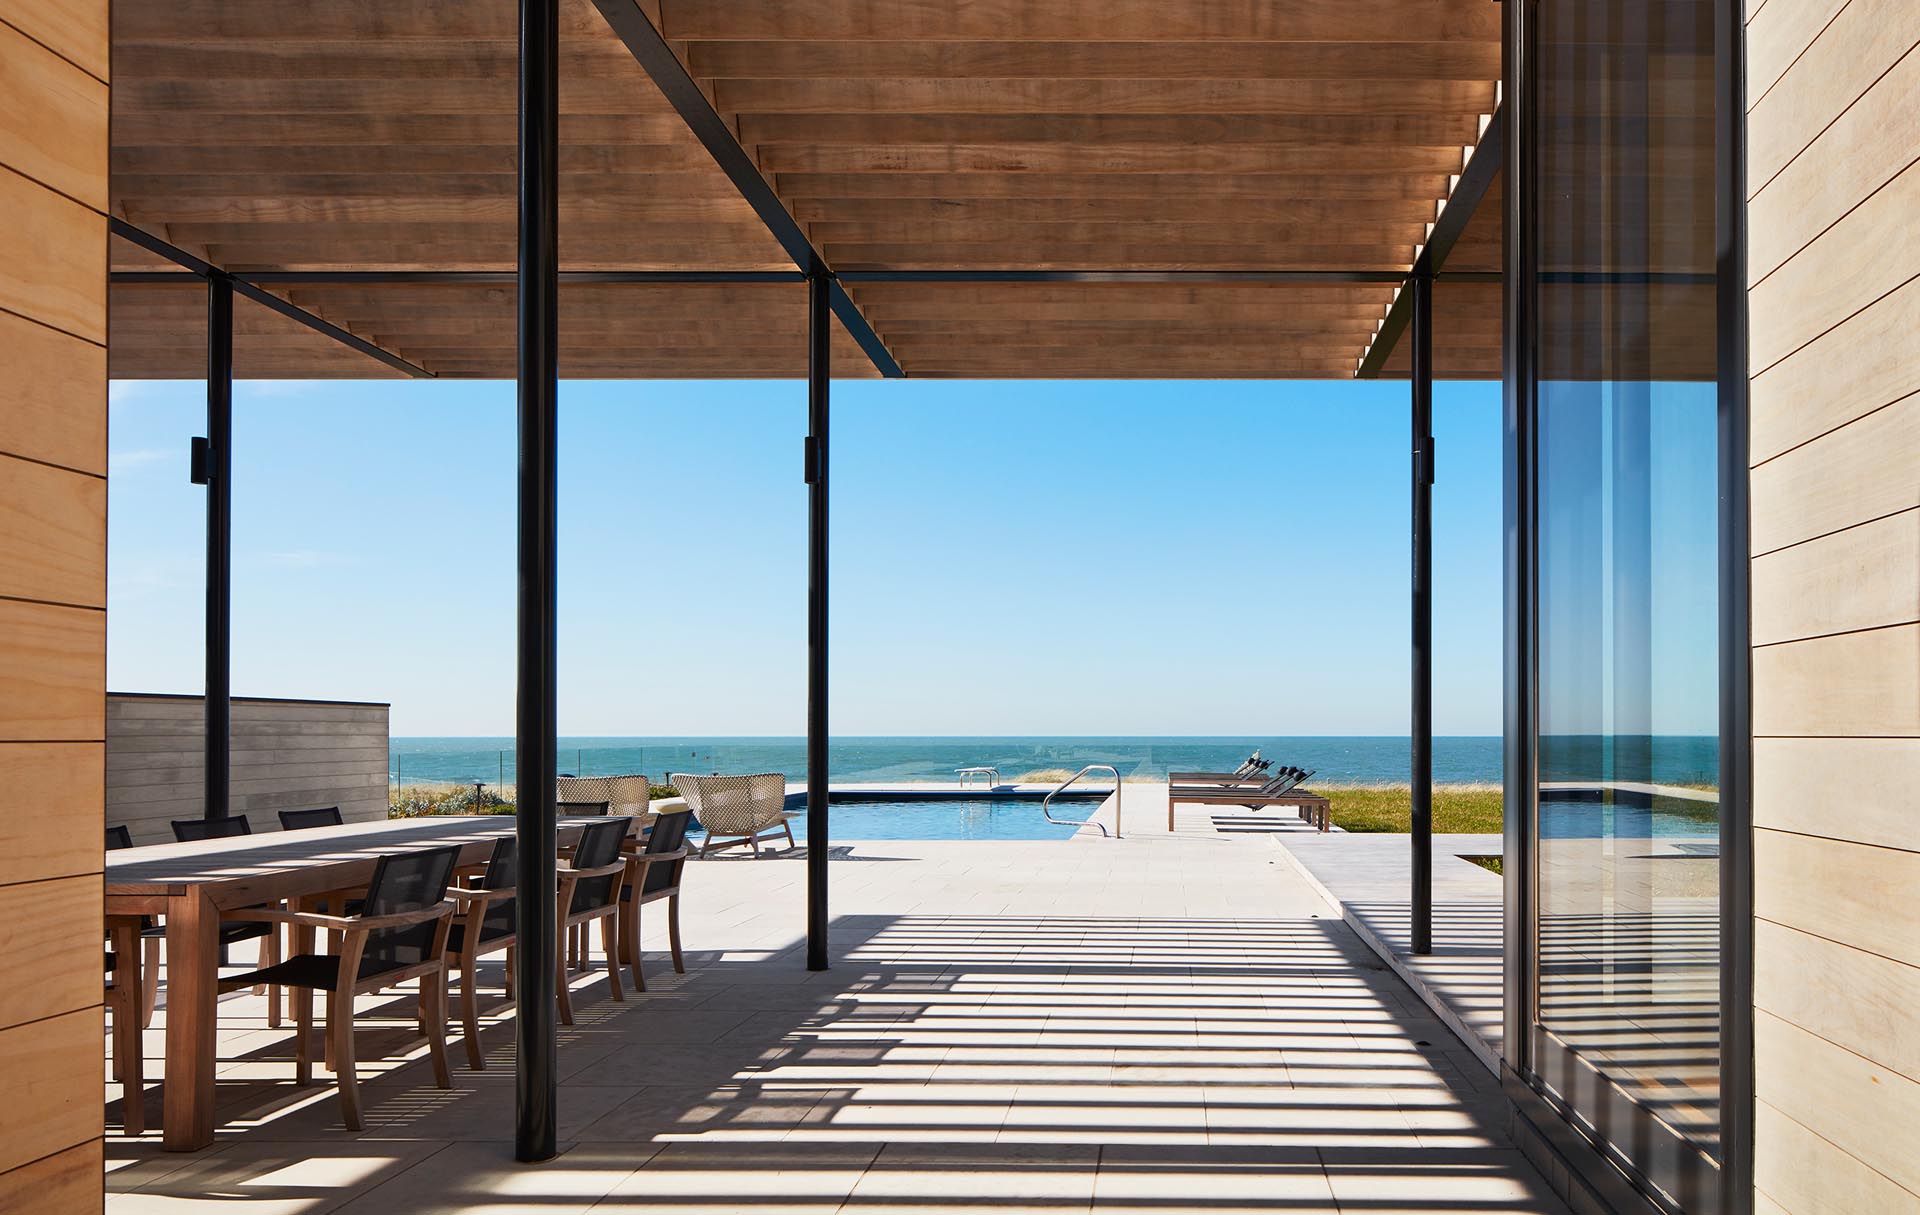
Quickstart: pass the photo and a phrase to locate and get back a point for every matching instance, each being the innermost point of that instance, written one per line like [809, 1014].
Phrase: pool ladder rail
[1046, 803]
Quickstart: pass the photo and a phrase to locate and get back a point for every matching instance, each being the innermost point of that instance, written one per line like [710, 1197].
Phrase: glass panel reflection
[1628, 827]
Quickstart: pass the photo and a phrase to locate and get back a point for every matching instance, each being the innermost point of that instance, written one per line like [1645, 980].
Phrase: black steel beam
[1421, 825]
[503, 278]
[683, 93]
[819, 377]
[352, 341]
[217, 469]
[536, 1076]
[1488, 155]
[1301, 277]
[200, 268]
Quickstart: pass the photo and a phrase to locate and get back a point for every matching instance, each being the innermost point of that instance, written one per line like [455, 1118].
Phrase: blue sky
[1009, 557]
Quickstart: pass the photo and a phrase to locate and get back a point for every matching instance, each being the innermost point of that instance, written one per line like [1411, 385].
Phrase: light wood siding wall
[1834, 189]
[53, 583]
[287, 755]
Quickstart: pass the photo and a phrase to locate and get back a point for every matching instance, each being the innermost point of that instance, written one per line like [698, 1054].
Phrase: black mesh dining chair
[196, 829]
[483, 925]
[653, 873]
[119, 836]
[300, 820]
[232, 931]
[576, 942]
[400, 934]
[589, 890]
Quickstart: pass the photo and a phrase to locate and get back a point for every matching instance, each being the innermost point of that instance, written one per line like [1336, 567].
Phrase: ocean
[873, 760]
[1367, 760]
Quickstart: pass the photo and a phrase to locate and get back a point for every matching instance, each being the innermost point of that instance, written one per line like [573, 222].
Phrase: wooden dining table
[191, 883]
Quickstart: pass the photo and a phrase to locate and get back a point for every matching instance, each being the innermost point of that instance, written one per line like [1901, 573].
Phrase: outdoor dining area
[352, 909]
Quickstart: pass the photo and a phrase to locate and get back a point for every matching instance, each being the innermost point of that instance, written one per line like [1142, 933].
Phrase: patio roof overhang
[1133, 189]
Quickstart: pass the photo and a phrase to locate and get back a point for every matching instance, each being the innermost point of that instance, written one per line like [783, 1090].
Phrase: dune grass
[1457, 809]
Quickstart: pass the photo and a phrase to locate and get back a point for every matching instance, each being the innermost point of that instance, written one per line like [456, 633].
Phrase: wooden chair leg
[124, 1002]
[340, 1030]
[302, 998]
[129, 1053]
[613, 958]
[566, 997]
[433, 1014]
[149, 979]
[512, 961]
[329, 1057]
[470, 1011]
[270, 951]
[630, 931]
[673, 932]
[788, 828]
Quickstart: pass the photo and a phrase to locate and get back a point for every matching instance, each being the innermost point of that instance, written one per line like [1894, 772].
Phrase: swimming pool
[984, 818]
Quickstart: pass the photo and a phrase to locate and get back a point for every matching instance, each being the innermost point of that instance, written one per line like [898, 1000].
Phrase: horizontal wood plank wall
[1834, 184]
[287, 755]
[53, 585]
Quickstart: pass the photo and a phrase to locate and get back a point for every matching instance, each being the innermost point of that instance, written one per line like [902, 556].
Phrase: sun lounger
[1263, 786]
[1283, 790]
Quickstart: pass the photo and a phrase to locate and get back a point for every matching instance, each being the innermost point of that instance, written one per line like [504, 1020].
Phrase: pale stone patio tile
[976, 1177]
[666, 1113]
[1395, 1181]
[485, 1179]
[270, 1178]
[1206, 1179]
[767, 1179]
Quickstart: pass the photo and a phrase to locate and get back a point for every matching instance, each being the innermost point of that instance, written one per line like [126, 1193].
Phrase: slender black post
[819, 330]
[1519, 300]
[219, 614]
[1736, 632]
[536, 1096]
[1422, 825]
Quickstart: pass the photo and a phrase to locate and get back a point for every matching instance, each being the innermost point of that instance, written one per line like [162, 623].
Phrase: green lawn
[1457, 809]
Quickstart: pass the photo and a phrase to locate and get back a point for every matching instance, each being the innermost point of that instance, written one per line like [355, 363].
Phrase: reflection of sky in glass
[1628, 559]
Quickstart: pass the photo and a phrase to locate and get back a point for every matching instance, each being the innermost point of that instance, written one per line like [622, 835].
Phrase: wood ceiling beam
[1077, 21]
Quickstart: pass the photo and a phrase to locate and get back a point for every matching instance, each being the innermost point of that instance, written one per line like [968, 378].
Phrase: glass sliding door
[1622, 303]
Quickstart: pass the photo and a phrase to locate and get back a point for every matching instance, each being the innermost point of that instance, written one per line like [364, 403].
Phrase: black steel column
[1422, 819]
[819, 330]
[536, 1098]
[1736, 633]
[218, 471]
[1519, 372]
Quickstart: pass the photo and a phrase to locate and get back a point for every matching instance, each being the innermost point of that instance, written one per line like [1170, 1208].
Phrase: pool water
[998, 818]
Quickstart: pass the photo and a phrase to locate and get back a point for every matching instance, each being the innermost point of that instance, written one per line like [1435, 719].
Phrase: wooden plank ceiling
[332, 135]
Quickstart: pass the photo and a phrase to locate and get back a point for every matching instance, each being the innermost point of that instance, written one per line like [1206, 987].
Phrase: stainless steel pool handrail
[1046, 803]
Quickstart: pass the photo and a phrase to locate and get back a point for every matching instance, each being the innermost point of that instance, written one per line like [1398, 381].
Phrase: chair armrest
[568, 871]
[339, 923]
[653, 858]
[470, 895]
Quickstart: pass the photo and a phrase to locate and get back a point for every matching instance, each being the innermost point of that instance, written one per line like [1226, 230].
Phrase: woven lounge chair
[737, 810]
[624, 795]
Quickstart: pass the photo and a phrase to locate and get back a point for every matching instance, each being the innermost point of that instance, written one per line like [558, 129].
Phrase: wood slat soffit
[320, 135]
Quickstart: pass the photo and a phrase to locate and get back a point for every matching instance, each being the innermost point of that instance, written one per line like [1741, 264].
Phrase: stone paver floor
[1161, 1023]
